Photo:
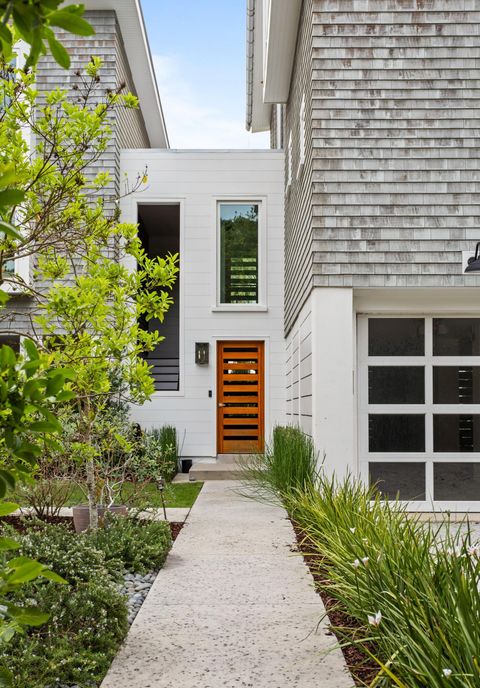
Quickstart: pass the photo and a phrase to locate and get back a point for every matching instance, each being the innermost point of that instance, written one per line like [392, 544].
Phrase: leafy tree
[93, 322]
[32, 21]
[62, 206]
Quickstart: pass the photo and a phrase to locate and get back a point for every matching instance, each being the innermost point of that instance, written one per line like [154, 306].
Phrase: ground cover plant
[408, 590]
[88, 616]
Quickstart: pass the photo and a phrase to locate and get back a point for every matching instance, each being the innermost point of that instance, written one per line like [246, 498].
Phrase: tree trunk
[92, 502]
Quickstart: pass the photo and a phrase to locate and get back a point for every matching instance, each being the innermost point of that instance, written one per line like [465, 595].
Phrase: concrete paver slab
[234, 606]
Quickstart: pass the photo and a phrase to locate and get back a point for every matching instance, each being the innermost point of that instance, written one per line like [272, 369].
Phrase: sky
[198, 49]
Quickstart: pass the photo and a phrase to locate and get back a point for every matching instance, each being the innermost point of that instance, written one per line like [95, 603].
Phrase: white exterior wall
[299, 371]
[198, 180]
[334, 409]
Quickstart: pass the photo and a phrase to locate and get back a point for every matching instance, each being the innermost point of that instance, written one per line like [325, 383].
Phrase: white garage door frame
[429, 457]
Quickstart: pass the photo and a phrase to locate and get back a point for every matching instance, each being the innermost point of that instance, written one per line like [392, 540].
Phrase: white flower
[447, 672]
[352, 530]
[375, 620]
[356, 563]
[365, 560]
[474, 550]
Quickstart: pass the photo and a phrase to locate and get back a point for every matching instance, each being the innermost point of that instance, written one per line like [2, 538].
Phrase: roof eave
[258, 112]
[269, 61]
[134, 35]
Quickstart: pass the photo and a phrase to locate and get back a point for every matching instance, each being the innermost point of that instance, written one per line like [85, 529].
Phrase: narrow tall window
[238, 252]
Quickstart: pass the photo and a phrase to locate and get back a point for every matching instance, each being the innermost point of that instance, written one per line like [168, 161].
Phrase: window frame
[429, 409]
[261, 304]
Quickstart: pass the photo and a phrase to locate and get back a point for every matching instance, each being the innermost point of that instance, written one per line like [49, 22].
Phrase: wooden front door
[240, 416]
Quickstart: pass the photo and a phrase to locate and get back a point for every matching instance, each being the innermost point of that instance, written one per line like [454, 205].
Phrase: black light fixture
[473, 263]
[201, 353]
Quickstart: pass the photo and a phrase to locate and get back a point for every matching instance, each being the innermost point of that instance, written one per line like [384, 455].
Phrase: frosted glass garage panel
[456, 482]
[396, 336]
[456, 336]
[405, 480]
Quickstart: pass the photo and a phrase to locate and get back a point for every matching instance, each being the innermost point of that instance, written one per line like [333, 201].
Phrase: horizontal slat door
[240, 418]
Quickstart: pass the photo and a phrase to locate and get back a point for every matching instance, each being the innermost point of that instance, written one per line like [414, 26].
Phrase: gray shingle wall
[131, 127]
[128, 129]
[298, 206]
[395, 132]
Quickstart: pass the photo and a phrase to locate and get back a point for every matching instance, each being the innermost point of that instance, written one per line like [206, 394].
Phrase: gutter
[250, 60]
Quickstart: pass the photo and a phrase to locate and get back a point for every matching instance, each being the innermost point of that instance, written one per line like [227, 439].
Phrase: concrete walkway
[233, 607]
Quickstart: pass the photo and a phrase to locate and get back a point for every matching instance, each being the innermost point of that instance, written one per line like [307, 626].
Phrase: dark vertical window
[239, 253]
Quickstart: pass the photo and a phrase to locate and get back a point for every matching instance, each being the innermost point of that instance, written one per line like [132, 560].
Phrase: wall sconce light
[201, 353]
[473, 263]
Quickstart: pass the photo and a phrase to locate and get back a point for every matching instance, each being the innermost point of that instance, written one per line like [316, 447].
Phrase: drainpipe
[250, 56]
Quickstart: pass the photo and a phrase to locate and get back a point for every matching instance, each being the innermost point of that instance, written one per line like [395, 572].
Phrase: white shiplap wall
[299, 371]
[197, 180]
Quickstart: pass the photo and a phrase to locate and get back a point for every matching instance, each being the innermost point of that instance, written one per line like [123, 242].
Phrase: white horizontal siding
[196, 180]
[299, 371]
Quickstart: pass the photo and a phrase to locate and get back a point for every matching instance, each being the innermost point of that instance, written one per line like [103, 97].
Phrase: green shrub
[288, 464]
[72, 556]
[412, 588]
[88, 617]
[156, 455]
[87, 624]
[141, 546]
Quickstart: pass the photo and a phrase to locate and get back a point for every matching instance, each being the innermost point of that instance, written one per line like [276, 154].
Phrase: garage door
[419, 409]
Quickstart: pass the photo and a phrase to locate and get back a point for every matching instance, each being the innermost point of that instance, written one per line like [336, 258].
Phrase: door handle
[220, 405]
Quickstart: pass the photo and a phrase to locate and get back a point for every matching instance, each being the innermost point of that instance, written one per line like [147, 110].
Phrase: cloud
[193, 123]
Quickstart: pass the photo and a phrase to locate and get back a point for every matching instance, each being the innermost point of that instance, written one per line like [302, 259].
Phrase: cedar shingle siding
[393, 156]
[128, 128]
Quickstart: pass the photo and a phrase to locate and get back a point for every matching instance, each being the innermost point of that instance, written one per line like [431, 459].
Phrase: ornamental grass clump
[289, 463]
[411, 588]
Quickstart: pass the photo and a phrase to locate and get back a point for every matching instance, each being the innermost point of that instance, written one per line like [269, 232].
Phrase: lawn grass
[176, 495]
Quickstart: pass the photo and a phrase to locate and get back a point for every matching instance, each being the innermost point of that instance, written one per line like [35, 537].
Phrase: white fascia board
[132, 26]
[260, 112]
[281, 39]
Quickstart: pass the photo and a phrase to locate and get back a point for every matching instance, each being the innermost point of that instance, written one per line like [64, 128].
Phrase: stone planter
[81, 518]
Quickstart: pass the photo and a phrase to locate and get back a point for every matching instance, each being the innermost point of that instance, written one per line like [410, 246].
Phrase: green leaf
[45, 426]
[71, 22]
[9, 230]
[8, 478]
[58, 51]
[7, 508]
[8, 175]
[51, 575]
[65, 395]
[27, 451]
[30, 616]
[31, 349]
[54, 385]
[11, 197]
[5, 34]
[8, 544]
[4, 297]
[25, 572]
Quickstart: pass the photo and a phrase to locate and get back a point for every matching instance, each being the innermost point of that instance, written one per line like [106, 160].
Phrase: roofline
[258, 113]
[134, 35]
[272, 29]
